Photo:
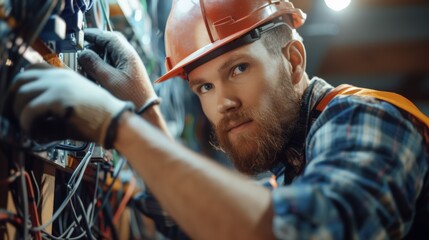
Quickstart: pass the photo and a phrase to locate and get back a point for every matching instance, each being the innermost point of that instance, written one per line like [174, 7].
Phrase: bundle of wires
[73, 185]
[82, 214]
[19, 37]
[18, 31]
[77, 214]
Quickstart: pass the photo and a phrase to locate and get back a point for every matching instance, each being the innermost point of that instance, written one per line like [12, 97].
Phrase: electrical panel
[52, 31]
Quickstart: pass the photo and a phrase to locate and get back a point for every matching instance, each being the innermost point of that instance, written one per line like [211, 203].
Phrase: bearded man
[349, 163]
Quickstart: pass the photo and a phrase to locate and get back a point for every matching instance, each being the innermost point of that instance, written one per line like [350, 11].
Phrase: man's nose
[227, 101]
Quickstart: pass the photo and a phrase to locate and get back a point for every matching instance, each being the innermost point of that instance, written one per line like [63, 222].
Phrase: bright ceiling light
[337, 5]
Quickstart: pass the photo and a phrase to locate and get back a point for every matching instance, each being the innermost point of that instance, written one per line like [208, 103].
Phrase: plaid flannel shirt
[365, 177]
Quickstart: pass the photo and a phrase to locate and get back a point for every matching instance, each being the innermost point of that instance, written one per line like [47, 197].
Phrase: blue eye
[205, 88]
[239, 69]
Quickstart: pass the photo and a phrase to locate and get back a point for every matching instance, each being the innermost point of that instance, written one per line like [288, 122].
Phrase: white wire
[86, 161]
[26, 214]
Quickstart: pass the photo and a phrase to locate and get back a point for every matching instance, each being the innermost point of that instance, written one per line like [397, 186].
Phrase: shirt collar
[315, 91]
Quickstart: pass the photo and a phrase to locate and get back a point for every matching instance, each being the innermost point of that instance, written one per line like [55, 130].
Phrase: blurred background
[380, 44]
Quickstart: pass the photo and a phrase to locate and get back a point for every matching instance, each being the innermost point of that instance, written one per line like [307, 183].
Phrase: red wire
[124, 202]
[33, 208]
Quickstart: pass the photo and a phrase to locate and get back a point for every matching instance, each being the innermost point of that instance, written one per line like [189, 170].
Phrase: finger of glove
[24, 78]
[24, 95]
[114, 43]
[47, 124]
[32, 73]
[39, 66]
[94, 35]
[40, 109]
[95, 67]
[102, 39]
[19, 92]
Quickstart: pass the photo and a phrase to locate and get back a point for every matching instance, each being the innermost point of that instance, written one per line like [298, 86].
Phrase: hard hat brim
[297, 18]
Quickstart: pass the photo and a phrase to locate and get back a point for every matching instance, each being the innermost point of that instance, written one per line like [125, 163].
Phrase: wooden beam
[45, 176]
[382, 58]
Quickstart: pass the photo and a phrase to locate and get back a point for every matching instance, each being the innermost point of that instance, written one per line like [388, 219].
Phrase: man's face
[248, 97]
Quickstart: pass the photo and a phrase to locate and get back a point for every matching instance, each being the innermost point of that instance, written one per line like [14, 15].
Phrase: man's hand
[54, 104]
[126, 77]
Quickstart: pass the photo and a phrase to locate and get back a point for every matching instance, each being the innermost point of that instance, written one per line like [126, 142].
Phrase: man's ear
[294, 52]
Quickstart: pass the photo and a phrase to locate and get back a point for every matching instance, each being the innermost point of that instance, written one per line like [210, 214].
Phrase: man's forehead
[221, 63]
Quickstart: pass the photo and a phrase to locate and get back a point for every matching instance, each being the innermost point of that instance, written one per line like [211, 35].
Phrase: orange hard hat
[200, 30]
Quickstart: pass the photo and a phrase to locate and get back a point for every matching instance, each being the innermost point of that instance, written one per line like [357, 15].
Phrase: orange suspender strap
[393, 98]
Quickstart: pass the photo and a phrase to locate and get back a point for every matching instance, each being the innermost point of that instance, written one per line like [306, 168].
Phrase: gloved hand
[54, 104]
[126, 78]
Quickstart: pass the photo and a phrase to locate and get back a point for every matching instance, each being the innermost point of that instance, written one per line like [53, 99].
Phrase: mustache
[237, 115]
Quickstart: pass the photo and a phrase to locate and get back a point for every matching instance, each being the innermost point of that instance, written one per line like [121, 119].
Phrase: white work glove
[54, 104]
[126, 77]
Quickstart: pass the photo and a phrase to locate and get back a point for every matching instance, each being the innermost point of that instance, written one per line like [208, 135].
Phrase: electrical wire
[79, 219]
[37, 188]
[32, 204]
[72, 148]
[21, 158]
[71, 228]
[85, 219]
[77, 210]
[63, 236]
[75, 217]
[8, 216]
[72, 191]
[94, 202]
[108, 212]
[83, 163]
[106, 196]
[10, 179]
[37, 147]
[37, 24]
[106, 17]
[125, 199]
[115, 177]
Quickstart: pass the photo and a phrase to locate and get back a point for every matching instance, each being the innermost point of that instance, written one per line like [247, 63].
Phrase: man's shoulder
[358, 116]
[343, 105]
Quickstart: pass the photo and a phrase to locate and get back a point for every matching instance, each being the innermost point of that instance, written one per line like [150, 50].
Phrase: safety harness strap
[393, 98]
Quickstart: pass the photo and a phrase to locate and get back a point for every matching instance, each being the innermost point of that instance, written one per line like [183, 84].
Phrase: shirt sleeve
[365, 169]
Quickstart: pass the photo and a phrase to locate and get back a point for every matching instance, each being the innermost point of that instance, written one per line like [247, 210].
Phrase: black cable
[37, 23]
[109, 189]
[76, 222]
[75, 217]
[37, 188]
[83, 163]
[37, 147]
[137, 225]
[71, 228]
[72, 148]
[94, 201]
[108, 216]
[12, 218]
[46, 235]
[24, 194]
[71, 192]
[16, 198]
[85, 219]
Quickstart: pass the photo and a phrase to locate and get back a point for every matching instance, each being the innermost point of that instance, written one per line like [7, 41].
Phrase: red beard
[259, 147]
